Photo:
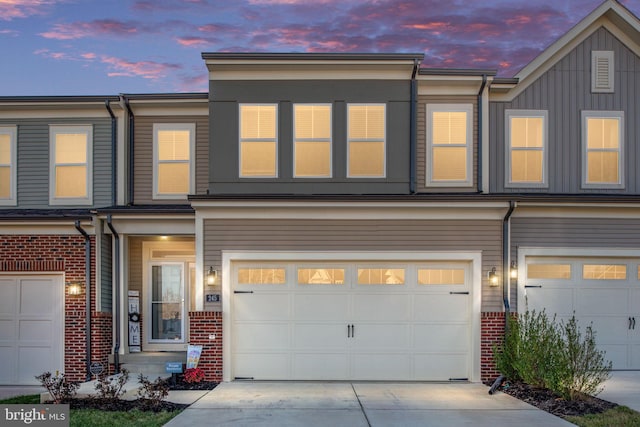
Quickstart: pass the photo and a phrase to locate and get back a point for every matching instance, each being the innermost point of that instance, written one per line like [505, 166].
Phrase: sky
[88, 47]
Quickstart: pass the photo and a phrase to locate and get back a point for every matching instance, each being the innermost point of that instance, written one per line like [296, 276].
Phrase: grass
[97, 418]
[620, 416]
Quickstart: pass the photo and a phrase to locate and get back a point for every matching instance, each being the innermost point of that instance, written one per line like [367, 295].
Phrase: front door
[166, 303]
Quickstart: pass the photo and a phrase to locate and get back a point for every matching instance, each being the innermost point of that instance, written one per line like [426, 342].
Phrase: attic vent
[602, 71]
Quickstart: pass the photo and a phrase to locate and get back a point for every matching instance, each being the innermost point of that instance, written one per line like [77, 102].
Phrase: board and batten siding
[583, 233]
[143, 163]
[565, 91]
[33, 161]
[366, 235]
[421, 142]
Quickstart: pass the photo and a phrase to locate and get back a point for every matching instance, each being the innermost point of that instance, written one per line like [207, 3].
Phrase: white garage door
[602, 292]
[31, 313]
[351, 321]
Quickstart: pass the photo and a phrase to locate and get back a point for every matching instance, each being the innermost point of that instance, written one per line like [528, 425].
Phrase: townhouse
[325, 216]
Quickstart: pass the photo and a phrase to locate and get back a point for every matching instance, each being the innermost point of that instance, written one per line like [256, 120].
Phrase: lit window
[441, 276]
[381, 276]
[312, 141]
[8, 165]
[526, 144]
[604, 271]
[549, 271]
[258, 141]
[321, 276]
[449, 144]
[173, 152]
[366, 140]
[261, 276]
[602, 142]
[71, 170]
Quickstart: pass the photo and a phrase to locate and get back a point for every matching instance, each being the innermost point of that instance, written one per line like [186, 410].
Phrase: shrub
[151, 394]
[112, 388]
[58, 387]
[193, 375]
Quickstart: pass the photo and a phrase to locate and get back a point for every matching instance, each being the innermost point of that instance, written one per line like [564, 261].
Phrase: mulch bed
[550, 402]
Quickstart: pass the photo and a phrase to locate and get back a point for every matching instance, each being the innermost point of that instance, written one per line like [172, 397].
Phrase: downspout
[87, 266]
[131, 151]
[506, 280]
[116, 344]
[412, 129]
[479, 177]
[114, 152]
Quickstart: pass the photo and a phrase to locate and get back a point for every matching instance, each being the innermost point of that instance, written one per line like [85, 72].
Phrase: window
[604, 271]
[602, 71]
[449, 145]
[173, 154]
[71, 179]
[261, 276]
[549, 271]
[526, 159]
[312, 141]
[366, 140]
[321, 276]
[602, 141]
[8, 166]
[441, 276]
[258, 141]
[381, 276]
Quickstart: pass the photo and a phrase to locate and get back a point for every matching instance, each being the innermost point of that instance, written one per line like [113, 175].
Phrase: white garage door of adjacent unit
[602, 292]
[355, 321]
[31, 319]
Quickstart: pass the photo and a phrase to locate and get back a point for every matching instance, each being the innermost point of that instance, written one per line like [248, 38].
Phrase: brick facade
[63, 254]
[492, 331]
[201, 325]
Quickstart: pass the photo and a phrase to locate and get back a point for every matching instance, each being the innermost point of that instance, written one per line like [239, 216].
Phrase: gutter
[506, 280]
[114, 152]
[131, 151]
[87, 266]
[412, 129]
[479, 177]
[116, 344]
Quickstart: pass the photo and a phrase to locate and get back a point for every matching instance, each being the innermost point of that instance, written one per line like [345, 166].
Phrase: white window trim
[191, 127]
[303, 140]
[53, 131]
[384, 142]
[240, 141]
[432, 108]
[13, 165]
[597, 55]
[621, 157]
[544, 114]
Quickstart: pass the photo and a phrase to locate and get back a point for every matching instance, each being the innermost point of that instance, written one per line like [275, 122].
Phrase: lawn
[620, 416]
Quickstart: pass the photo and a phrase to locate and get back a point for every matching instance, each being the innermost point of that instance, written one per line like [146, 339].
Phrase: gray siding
[106, 274]
[224, 112]
[565, 91]
[143, 156]
[421, 143]
[351, 235]
[572, 233]
[33, 161]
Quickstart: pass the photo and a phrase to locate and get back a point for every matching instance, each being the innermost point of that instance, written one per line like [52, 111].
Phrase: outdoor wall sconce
[212, 276]
[493, 277]
[514, 270]
[74, 289]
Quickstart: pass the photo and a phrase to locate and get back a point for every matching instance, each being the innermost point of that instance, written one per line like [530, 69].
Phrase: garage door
[602, 292]
[31, 310]
[351, 321]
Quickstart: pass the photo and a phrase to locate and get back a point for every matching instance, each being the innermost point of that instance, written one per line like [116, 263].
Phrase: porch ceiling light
[74, 289]
[513, 270]
[212, 276]
[493, 277]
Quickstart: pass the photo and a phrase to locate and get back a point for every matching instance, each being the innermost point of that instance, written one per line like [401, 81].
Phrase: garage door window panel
[549, 271]
[441, 276]
[262, 276]
[381, 276]
[604, 272]
[321, 276]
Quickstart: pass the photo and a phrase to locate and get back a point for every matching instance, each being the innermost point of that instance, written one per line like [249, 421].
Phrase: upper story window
[366, 145]
[602, 149]
[70, 169]
[312, 141]
[602, 71]
[449, 145]
[173, 160]
[8, 166]
[258, 140]
[526, 159]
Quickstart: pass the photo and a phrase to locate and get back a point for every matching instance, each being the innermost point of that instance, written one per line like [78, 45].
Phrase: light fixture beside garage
[493, 277]
[212, 276]
[74, 289]
[513, 270]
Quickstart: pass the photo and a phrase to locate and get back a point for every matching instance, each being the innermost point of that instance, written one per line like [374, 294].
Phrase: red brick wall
[201, 325]
[63, 253]
[492, 331]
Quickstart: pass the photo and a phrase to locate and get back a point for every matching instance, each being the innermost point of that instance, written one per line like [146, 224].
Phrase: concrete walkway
[336, 404]
[623, 388]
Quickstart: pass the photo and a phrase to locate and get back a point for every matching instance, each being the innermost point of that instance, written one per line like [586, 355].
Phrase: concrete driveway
[336, 404]
[623, 388]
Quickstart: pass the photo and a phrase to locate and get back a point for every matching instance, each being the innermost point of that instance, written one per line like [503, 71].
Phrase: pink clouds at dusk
[150, 46]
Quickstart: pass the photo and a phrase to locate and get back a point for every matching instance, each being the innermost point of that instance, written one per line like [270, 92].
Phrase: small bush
[151, 394]
[112, 388]
[58, 387]
[193, 375]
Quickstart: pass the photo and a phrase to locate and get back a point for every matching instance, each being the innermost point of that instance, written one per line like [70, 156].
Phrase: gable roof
[611, 15]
